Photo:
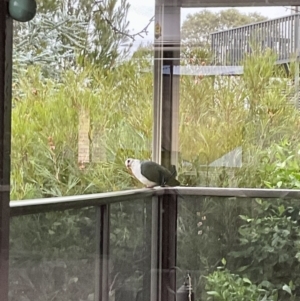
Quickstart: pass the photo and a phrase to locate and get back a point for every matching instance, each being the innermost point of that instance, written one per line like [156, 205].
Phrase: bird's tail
[172, 181]
[173, 171]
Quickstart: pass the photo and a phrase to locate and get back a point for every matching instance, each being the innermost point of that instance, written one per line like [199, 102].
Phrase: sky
[141, 11]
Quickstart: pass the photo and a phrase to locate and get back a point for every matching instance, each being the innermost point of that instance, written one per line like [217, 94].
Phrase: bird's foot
[150, 186]
[163, 182]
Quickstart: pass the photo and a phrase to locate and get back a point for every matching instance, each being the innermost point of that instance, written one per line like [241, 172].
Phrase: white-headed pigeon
[151, 174]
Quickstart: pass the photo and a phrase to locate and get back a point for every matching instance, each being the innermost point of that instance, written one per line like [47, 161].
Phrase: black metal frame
[168, 235]
[77, 201]
[155, 250]
[163, 232]
[164, 203]
[5, 144]
[163, 228]
[18, 208]
[103, 242]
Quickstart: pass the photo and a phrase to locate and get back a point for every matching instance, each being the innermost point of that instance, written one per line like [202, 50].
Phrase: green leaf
[246, 280]
[213, 293]
[279, 184]
[243, 268]
[287, 289]
[281, 209]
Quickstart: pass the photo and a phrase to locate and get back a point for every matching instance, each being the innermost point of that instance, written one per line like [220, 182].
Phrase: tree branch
[291, 9]
[116, 30]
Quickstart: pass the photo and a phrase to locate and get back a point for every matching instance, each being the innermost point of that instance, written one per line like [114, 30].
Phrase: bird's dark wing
[154, 172]
[158, 173]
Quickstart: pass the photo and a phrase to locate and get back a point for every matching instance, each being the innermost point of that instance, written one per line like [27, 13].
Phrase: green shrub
[224, 286]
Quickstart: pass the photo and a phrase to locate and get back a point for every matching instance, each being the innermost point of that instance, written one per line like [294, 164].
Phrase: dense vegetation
[236, 249]
[251, 113]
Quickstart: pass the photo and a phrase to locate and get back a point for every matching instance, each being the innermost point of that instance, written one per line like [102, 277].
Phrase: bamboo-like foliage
[223, 114]
[45, 130]
[217, 115]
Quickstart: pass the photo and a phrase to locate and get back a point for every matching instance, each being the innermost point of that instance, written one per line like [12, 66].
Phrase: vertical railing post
[165, 146]
[166, 83]
[164, 247]
[144, 293]
[5, 142]
[168, 225]
[102, 253]
[155, 250]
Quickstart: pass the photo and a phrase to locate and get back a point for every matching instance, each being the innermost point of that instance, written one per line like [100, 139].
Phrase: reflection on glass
[83, 103]
[239, 117]
[53, 256]
[130, 250]
[239, 249]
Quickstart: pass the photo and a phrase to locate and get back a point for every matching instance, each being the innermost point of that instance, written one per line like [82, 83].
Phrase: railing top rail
[24, 207]
[239, 192]
[281, 19]
[84, 197]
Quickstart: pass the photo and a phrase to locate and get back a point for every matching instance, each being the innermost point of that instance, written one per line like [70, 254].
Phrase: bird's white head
[129, 162]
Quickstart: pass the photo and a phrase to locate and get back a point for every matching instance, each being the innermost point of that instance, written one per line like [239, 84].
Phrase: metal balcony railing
[281, 35]
[138, 244]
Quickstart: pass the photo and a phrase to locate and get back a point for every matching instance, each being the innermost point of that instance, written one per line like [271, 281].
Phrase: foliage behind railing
[245, 237]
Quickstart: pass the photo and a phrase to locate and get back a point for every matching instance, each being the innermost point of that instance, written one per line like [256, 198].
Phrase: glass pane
[130, 250]
[239, 109]
[83, 86]
[53, 256]
[240, 249]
